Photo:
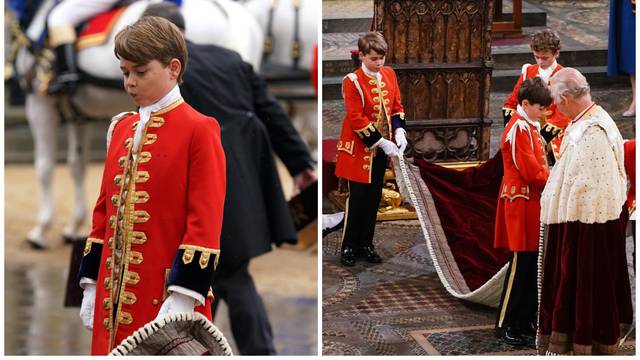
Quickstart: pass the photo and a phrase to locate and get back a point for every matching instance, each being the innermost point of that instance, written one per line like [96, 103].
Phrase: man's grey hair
[569, 82]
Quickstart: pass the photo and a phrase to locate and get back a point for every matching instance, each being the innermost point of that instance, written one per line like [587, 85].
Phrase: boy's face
[534, 111]
[545, 58]
[373, 61]
[148, 83]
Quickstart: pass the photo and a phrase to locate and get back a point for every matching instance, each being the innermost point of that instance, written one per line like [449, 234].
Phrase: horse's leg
[43, 121]
[78, 136]
[304, 115]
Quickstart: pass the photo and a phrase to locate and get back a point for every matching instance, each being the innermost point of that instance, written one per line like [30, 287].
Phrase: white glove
[388, 147]
[88, 305]
[401, 139]
[176, 303]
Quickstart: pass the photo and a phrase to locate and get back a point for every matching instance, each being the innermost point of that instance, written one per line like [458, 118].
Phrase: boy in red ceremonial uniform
[630, 168]
[373, 130]
[518, 214]
[545, 45]
[156, 225]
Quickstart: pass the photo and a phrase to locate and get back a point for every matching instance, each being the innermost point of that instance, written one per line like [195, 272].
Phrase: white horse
[291, 25]
[291, 32]
[219, 22]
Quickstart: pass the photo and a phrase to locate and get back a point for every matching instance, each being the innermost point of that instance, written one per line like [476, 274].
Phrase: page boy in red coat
[545, 45]
[372, 131]
[518, 214]
[155, 239]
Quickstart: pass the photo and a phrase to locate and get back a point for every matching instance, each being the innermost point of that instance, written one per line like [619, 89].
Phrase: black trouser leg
[353, 215]
[248, 317]
[377, 183]
[518, 303]
[362, 206]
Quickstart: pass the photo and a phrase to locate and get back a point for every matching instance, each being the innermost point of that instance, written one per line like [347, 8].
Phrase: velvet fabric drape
[586, 296]
[466, 203]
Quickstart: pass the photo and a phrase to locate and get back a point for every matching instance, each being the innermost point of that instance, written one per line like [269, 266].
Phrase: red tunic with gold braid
[554, 122]
[525, 174]
[630, 167]
[373, 110]
[157, 220]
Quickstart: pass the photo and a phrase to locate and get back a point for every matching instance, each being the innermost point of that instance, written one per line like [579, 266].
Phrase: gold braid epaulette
[205, 255]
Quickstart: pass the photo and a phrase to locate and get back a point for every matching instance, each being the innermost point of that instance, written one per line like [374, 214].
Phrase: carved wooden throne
[441, 51]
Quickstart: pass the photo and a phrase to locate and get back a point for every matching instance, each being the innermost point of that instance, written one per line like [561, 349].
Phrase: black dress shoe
[371, 255]
[348, 257]
[513, 337]
[530, 329]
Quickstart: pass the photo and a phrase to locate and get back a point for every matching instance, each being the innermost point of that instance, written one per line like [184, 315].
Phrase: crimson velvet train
[466, 203]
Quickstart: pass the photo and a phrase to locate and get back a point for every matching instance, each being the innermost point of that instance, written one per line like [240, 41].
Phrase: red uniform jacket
[373, 110]
[161, 228]
[630, 167]
[554, 122]
[525, 173]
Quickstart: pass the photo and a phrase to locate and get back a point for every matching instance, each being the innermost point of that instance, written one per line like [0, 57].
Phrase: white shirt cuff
[190, 293]
[85, 280]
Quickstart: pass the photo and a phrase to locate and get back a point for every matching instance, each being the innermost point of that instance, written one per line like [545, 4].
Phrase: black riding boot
[66, 68]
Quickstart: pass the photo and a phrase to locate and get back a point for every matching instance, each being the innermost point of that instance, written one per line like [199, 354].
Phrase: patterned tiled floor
[400, 307]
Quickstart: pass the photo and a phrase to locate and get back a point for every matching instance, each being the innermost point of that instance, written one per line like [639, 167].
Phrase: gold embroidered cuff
[87, 246]
[369, 135]
[205, 255]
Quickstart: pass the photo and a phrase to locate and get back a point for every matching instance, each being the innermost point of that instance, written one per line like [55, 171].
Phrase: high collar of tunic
[524, 115]
[146, 111]
[545, 74]
[376, 75]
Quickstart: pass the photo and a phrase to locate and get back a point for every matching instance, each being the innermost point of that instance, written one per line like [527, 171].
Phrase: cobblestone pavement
[37, 324]
[400, 307]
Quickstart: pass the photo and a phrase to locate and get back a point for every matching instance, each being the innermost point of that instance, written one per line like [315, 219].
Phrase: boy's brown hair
[372, 41]
[152, 38]
[535, 91]
[545, 39]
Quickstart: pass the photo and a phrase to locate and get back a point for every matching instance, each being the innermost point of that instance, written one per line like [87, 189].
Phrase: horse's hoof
[35, 244]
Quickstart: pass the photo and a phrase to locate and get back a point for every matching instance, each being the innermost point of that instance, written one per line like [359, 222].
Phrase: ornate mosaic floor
[400, 307]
